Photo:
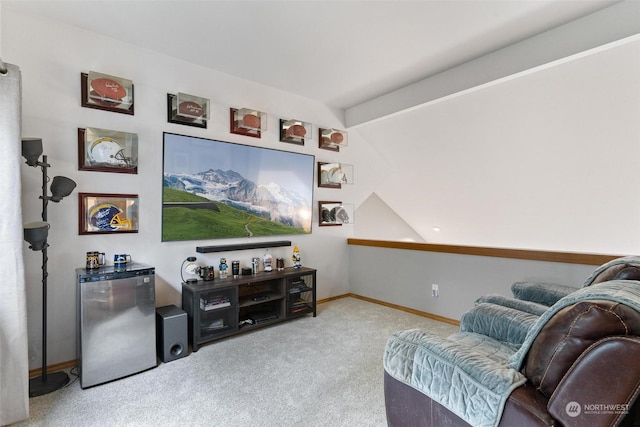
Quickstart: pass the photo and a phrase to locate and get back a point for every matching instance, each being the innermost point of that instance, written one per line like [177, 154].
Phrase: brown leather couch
[582, 369]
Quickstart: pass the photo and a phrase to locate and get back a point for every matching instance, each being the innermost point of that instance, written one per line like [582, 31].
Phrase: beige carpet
[322, 371]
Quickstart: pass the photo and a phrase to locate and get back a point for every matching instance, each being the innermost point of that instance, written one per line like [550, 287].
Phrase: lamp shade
[61, 187]
[36, 234]
[31, 150]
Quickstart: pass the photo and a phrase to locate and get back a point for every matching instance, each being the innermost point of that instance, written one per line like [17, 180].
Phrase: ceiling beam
[616, 22]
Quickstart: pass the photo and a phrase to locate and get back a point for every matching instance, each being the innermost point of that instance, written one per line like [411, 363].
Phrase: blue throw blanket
[472, 374]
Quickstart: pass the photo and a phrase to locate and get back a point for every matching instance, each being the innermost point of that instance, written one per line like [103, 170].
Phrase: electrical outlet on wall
[435, 290]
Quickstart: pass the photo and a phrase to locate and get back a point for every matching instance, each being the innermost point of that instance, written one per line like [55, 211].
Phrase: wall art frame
[105, 213]
[107, 93]
[332, 139]
[294, 131]
[247, 122]
[333, 213]
[334, 175]
[188, 110]
[104, 150]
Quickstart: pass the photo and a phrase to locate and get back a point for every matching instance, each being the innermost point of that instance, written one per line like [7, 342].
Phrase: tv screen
[215, 189]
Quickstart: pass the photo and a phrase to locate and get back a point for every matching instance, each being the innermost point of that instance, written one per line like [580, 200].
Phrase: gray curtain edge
[14, 361]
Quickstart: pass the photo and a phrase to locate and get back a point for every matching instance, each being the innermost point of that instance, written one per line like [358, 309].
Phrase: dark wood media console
[223, 307]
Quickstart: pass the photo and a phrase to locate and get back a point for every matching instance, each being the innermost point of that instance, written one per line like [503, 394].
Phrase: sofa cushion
[504, 324]
[630, 272]
[541, 293]
[569, 333]
[610, 270]
[522, 305]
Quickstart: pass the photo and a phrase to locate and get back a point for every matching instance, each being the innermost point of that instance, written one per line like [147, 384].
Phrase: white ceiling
[340, 52]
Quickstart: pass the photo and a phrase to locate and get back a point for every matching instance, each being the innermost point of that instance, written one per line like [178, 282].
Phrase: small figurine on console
[223, 268]
[267, 260]
[296, 257]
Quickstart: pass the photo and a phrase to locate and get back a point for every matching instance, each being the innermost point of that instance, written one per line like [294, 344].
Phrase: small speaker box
[171, 330]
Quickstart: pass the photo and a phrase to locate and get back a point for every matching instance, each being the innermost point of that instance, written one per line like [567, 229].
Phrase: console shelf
[223, 307]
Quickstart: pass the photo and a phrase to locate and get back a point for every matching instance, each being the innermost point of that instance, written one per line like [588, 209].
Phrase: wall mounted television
[215, 189]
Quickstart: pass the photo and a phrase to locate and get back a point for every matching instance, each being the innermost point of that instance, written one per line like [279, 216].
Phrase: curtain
[14, 362]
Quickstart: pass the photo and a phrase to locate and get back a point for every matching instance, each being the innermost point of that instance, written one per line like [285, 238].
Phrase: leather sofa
[576, 363]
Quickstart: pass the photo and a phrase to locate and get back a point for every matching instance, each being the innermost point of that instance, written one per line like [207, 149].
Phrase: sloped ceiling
[341, 53]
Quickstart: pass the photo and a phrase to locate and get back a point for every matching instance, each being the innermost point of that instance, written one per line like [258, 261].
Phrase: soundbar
[242, 246]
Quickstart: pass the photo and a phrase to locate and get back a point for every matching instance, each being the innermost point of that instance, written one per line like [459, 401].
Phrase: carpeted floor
[322, 371]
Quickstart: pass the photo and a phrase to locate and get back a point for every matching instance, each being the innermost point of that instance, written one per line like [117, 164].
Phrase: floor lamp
[36, 234]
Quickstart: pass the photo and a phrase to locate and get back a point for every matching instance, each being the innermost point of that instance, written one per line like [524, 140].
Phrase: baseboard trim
[397, 307]
[322, 301]
[54, 368]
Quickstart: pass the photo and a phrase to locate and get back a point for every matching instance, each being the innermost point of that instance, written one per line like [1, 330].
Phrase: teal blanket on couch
[473, 374]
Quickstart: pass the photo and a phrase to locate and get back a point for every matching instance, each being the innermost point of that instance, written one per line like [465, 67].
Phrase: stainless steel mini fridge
[116, 322]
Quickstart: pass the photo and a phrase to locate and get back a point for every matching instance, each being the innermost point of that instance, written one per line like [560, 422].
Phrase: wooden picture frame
[332, 213]
[247, 122]
[334, 175]
[102, 213]
[104, 150]
[294, 131]
[332, 139]
[107, 93]
[188, 110]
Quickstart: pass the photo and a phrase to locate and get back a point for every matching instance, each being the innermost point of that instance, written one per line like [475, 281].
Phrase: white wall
[546, 159]
[52, 56]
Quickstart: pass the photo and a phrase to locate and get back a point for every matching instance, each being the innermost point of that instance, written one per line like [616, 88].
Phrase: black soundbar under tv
[242, 246]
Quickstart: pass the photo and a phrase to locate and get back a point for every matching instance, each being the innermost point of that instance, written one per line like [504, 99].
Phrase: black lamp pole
[46, 383]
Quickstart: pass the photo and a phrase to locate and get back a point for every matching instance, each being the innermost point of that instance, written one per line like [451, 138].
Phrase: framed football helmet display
[108, 213]
[334, 213]
[333, 175]
[104, 150]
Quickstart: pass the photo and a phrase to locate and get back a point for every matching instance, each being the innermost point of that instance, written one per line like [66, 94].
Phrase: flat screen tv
[215, 190]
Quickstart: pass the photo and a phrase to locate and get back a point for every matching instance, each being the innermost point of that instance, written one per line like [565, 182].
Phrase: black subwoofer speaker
[171, 330]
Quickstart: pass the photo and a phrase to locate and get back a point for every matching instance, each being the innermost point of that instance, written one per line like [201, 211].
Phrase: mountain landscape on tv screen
[248, 209]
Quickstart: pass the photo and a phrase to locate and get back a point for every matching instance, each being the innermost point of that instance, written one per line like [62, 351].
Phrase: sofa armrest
[601, 386]
[541, 293]
[505, 324]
